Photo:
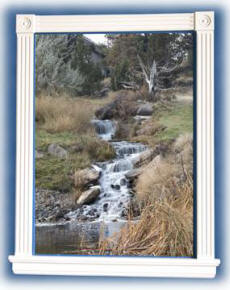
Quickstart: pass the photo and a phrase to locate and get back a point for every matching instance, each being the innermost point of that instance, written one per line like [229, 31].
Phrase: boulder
[89, 196]
[58, 151]
[115, 186]
[121, 107]
[133, 174]
[84, 177]
[38, 154]
[106, 112]
[144, 158]
[145, 110]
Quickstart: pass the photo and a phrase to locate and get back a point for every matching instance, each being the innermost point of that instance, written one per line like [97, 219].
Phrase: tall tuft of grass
[164, 192]
[63, 114]
[165, 228]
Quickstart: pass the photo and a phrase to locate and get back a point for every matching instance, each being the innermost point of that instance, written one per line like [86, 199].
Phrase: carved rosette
[25, 23]
[204, 21]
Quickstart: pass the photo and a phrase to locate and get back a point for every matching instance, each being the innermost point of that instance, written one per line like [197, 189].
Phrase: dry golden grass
[182, 141]
[63, 114]
[164, 193]
[156, 177]
[153, 183]
[165, 228]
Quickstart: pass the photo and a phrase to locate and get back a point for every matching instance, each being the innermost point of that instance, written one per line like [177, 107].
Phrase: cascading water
[104, 128]
[114, 198]
[85, 227]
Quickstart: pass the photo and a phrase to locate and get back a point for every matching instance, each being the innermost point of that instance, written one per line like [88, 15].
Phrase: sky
[97, 38]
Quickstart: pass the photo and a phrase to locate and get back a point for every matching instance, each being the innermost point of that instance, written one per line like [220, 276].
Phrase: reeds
[165, 228]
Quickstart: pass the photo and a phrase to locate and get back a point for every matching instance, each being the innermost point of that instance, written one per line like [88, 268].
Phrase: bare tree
[155, 75]
[149, 73]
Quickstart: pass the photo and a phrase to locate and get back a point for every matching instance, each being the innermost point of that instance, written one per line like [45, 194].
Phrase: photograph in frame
[102, 256]
[114, 144]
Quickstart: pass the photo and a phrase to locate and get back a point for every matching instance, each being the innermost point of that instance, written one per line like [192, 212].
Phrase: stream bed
[107, 215]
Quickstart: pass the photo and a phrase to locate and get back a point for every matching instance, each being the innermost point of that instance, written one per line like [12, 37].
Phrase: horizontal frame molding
[115, 266]
[24, 262]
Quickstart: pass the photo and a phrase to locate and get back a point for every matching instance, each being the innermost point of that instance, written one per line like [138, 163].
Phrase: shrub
[64, 63]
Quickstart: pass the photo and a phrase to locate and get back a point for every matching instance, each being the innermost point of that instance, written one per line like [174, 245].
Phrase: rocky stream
[107, 213]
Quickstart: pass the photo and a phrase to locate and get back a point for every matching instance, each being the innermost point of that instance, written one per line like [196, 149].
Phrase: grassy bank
[164, 189]
[168, 122]
[66, 121]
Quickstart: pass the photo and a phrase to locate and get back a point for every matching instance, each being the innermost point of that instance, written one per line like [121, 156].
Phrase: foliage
[165, 49]
[64, 63]
[120, 73]
[82, 60]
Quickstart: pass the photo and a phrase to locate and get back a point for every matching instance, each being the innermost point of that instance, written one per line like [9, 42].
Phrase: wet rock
[115, 186]
[123, 182]
[145, 110]
[83, 218]
[135, 208]
[60, 214]
[105, 206]
[92, 212]
[89, 196]
[57, 151]
[124, 213]
[52, 206]
[85, 177]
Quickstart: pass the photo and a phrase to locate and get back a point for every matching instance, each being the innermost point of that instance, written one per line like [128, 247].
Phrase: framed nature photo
[115, 160]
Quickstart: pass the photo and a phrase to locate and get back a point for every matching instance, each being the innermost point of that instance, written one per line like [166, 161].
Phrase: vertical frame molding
[24, 148]
[204, 26]
[23, 260]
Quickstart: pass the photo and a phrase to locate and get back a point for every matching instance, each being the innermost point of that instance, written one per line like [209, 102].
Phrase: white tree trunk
[149, 74]
[152, 76]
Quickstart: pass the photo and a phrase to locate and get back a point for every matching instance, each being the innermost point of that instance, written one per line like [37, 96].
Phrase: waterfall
[113, 201]
[104, 128]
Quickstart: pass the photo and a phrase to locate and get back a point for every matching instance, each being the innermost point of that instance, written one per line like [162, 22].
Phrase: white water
[114, 198]
[110, 206]
[104, 128]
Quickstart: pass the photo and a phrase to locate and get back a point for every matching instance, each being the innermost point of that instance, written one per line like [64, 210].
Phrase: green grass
[64, 139]
[83, 150]
[53, 173]
[178, 120]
